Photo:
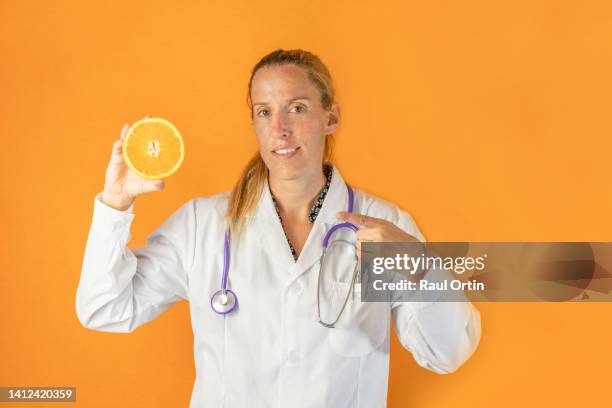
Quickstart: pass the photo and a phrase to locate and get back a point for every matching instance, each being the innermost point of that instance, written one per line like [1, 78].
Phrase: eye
[298, 109]
[263, 113]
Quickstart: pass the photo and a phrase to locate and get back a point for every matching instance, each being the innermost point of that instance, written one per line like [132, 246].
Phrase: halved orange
[153, 148]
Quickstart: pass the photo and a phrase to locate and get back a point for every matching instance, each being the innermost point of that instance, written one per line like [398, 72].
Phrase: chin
[286, 174]
[287, 171]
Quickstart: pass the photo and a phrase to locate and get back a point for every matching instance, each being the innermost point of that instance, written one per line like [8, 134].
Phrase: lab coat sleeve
[440, 335]
[121, 289]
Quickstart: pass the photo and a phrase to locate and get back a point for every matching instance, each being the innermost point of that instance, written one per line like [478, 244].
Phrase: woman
[271, 350]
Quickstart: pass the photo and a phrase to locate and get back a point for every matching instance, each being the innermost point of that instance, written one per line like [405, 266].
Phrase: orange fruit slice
[153, 148]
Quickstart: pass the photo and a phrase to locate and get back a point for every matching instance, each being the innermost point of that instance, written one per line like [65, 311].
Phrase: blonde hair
[247, 191]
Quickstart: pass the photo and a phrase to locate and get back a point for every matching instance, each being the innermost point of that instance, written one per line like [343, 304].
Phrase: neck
[295, 197]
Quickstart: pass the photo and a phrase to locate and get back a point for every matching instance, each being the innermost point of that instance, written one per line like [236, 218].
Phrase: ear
[333, 119]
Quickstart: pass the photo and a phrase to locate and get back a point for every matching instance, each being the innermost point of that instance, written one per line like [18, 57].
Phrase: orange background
[487, 121]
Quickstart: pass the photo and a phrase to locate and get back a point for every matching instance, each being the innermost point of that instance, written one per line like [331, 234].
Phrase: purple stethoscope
[225, 301]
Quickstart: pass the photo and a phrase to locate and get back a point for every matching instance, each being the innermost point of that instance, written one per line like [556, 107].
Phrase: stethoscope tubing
[223, 294]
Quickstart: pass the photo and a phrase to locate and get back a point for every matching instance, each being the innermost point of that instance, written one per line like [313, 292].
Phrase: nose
[280, 125]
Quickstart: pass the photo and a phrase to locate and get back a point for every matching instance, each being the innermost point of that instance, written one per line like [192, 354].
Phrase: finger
[361, 249]
[369, 234]
[116, 147]
[360, 220]
[124, 130]
[360, 246]
[116, 156]
[152, 185]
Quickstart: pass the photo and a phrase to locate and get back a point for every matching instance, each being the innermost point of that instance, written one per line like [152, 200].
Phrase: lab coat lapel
[269, 231]
[335, 200]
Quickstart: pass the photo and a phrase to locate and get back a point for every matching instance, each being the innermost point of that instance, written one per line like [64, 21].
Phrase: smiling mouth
[286, 152]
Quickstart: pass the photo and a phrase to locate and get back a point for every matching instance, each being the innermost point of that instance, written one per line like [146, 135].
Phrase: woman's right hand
[122, 185]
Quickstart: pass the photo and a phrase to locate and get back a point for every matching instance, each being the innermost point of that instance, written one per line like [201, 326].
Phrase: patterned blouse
[314, 211]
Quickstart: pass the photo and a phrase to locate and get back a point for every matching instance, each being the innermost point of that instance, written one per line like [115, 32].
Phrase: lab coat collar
[269, 231]
[335, 200]
[271, 236]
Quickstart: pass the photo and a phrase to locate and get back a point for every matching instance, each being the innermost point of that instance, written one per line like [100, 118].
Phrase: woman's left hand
[373, 229]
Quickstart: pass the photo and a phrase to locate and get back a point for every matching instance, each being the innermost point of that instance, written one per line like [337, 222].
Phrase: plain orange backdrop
[486, 120]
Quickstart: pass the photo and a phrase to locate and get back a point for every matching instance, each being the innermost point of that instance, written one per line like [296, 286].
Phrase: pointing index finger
[360, 220]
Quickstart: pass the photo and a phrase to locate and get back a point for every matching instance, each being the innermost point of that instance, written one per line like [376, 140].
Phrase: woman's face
[289, 121]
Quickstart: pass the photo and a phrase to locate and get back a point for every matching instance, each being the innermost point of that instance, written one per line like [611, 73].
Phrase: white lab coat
[271, 352]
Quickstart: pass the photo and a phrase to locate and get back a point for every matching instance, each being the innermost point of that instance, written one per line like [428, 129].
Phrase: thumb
[152, 185]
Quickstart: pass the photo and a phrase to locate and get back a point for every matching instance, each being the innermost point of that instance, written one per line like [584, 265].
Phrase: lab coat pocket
[362, 327]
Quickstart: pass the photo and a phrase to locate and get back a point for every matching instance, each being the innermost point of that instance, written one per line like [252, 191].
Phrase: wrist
[115, 202]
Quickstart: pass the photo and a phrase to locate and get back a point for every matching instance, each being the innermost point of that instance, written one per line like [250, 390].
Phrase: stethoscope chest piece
[223, 301]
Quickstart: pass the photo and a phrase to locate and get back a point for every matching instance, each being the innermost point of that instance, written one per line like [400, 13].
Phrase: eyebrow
[290, 100]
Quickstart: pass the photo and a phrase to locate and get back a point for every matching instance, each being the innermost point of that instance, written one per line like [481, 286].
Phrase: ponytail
[246, 193]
